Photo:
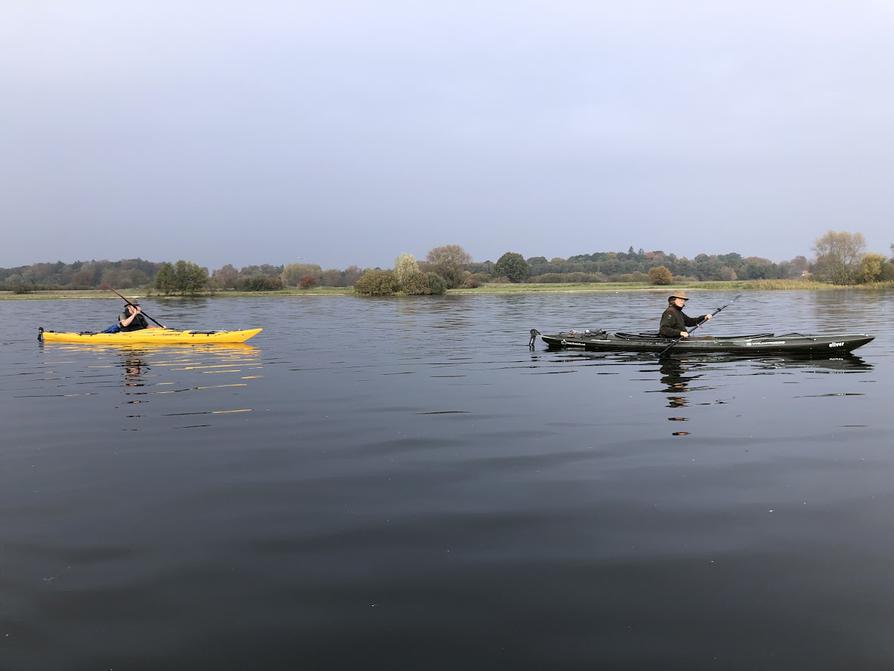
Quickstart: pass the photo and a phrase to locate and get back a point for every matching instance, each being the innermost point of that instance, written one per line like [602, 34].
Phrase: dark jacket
[139, 322]
[674, 320]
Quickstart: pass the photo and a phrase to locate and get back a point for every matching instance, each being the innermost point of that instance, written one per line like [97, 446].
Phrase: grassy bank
[743, 285]
[737, 285]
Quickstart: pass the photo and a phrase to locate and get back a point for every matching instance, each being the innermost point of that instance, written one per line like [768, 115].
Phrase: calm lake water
[403, 484]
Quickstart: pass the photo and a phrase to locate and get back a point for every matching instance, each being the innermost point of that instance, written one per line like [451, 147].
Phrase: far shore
[744, 285]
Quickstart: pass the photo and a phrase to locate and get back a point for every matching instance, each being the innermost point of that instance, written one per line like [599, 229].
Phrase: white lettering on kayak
[836, 344]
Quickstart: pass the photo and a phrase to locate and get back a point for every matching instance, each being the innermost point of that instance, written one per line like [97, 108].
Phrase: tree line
[839, 257]
[182, 277]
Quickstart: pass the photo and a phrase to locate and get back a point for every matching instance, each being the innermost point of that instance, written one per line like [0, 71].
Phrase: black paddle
[132, 305]
[721, 308]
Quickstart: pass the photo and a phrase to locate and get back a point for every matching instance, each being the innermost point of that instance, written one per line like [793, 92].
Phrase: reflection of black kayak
[756, 343]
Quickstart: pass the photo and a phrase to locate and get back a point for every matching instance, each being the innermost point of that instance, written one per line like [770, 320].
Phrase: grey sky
[349, 132]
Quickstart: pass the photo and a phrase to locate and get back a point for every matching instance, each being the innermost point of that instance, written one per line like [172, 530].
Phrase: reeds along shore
[743, 285]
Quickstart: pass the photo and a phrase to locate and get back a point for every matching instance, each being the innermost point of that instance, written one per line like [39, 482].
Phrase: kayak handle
[534, 334]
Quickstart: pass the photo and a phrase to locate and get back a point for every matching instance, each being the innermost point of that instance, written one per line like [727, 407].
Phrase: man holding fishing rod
[674, 321]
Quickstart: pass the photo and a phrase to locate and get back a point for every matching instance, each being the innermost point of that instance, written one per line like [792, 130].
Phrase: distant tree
[482, 268]
[87, 276]
[332, 277]
[165, 280]
[307, 282]
[184, 277]
[265, 270]
[123, 277]
[448, 261]
[798, 266]
[838, 255]
[376, 283]
[351, 275]
[225, 277]
[293, 273]
[191, 278]
[449, 254]
[260, 283]
[872, 268]
[436, 284]
[475, 280]
[18, 284]
[405, 266]
[726, 274]
[414, 283]
[660, 275]
[513, 266]
[756, 268]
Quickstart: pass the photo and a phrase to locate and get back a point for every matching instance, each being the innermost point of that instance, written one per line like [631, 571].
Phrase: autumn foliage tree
[838, 256]
[660, 276]
[449, 261]
[376, 283]
[405, 266]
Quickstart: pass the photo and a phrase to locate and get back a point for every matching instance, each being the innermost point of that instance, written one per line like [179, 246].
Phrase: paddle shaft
[720, 309]
[132, 305]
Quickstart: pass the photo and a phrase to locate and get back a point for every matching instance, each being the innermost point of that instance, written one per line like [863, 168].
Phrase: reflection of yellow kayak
[153, 336]
[139, 348]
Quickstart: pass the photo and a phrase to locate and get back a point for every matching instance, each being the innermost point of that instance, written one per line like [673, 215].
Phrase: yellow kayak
[154, 336]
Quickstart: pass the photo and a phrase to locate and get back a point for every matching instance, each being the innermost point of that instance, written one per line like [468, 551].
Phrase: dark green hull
[759, 343]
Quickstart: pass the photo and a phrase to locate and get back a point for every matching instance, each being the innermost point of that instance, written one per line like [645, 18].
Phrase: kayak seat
[640, 336]
[654, 336]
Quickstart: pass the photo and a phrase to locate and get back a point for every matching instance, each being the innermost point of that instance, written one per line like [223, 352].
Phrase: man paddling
[131, 319]
[674, 321]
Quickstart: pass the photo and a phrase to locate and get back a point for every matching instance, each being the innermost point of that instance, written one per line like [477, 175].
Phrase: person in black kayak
[674, 321]
[131, 319]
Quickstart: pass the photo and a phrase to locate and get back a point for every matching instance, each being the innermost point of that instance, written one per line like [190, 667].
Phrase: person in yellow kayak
[674, 321]
[131, 319]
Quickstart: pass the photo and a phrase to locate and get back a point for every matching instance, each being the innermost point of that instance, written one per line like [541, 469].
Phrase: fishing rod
[720, 309]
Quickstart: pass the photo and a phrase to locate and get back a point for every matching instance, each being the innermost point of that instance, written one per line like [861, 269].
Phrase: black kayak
[756, 343]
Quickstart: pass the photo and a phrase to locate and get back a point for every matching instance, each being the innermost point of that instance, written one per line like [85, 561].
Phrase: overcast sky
[348, 132]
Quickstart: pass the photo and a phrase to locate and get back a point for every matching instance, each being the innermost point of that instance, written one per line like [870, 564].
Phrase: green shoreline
[487, 289]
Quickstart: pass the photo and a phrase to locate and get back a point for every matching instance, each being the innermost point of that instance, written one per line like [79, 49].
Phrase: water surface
[402, 483]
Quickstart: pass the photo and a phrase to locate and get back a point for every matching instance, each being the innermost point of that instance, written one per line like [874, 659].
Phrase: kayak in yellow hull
[153, 336]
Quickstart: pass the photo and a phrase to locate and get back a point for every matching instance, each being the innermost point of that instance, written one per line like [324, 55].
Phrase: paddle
[132, 305]
[720, 309]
